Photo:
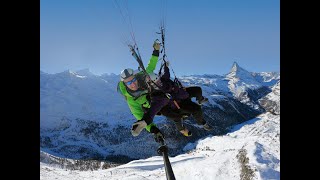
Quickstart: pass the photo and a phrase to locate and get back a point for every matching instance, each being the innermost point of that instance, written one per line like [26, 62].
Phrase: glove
[184, 117]
[158, 136]
[137, 127]
[167, 63]
[156, 45]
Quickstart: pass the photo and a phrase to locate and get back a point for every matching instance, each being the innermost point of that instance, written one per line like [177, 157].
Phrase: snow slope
[250, 151]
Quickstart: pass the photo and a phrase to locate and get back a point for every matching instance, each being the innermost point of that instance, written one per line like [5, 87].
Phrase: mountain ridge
[89, 110]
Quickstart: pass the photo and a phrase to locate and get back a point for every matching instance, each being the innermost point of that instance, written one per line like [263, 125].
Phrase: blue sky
[202, 36]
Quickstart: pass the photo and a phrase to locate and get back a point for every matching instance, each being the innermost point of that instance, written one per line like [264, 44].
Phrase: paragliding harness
[163, 51]
[135, 53]
[163, 149]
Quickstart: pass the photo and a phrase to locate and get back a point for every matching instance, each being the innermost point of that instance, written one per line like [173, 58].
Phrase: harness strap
[174, 101]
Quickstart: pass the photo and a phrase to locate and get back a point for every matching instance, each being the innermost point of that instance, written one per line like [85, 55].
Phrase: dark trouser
[174, 115]
[189, 107]
[160, 103]
[179, 125]
[194, 91]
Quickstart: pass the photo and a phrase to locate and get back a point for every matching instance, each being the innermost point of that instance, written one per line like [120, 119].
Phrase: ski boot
[202, 100]
[186, 132]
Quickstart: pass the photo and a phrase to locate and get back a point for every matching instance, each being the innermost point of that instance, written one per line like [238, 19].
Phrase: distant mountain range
[83, 117]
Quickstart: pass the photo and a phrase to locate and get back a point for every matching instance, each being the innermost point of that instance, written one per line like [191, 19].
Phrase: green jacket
[135, 103]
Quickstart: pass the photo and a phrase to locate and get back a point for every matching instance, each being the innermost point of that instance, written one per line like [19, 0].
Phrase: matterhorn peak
[241, 79]
[236, 69]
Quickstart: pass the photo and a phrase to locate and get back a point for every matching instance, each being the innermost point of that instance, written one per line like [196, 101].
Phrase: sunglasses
[130, 82]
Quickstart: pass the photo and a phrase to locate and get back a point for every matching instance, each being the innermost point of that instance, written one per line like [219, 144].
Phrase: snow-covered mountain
[271, 102]
[71, 95]
[250, 150]
[74, 164]
[267, 78]
[239, 79]
[83, 116]
[249, 87]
